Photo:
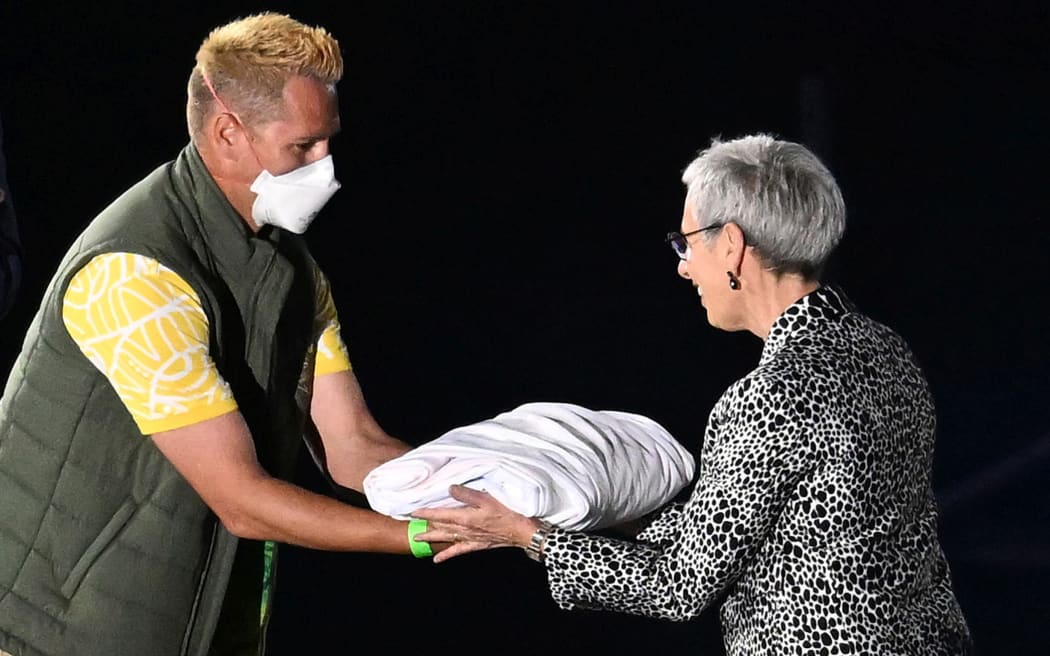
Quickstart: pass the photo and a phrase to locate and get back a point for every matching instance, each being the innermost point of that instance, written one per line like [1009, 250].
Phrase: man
[10, 251]
[188, 340]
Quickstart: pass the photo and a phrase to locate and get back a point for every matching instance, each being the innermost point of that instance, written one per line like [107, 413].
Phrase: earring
[734, 282]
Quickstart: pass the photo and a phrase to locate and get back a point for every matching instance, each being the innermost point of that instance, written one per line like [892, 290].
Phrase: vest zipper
[192, 623]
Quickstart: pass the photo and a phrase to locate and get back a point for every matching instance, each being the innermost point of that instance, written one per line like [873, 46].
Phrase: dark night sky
[509, 171]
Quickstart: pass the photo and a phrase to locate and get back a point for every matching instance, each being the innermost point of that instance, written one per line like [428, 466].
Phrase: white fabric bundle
[577, 468]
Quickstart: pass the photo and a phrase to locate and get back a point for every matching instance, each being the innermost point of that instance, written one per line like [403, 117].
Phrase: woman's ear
[732, 246]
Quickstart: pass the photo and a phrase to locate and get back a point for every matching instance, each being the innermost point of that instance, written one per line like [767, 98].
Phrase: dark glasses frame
[678, 242]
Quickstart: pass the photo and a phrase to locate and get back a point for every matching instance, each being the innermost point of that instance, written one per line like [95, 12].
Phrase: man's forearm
[350, 459]
[275, 510]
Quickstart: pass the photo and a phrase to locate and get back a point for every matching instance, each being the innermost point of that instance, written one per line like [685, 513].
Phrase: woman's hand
[482, 523]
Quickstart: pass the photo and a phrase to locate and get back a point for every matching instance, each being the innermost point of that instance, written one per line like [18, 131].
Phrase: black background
[509, 171]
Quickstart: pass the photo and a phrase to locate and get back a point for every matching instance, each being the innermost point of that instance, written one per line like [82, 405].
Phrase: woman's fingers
[440, 515]
[470, 496]
[439, 533]
[459, 549]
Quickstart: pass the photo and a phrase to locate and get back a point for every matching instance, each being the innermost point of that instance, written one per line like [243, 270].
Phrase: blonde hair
[248, 62]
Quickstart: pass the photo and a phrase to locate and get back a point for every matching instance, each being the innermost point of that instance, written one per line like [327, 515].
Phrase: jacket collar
[223, 229]
[803, 316]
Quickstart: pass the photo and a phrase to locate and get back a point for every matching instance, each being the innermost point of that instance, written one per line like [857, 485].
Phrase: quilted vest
[104, 547]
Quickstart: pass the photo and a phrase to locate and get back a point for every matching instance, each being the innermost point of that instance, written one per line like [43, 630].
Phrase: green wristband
[419, 548]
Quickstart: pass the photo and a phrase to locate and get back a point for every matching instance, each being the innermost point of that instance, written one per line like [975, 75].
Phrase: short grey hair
[780, 194]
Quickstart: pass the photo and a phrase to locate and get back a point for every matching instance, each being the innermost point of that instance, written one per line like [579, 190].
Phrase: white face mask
[293, 199]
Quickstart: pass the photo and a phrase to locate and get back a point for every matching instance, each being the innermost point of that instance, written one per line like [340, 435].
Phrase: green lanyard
[269, 562]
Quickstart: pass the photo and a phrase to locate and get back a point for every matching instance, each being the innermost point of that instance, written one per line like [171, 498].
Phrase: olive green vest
[104, 547]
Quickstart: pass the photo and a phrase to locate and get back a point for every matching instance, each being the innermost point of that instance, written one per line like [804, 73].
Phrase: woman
[813, 513]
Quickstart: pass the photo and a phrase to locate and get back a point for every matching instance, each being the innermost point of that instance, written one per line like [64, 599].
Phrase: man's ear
[224, 133]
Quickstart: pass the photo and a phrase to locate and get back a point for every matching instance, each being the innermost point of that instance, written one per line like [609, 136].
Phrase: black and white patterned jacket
[813, 517]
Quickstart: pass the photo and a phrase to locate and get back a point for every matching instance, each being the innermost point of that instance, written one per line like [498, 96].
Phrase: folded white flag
[577, 468]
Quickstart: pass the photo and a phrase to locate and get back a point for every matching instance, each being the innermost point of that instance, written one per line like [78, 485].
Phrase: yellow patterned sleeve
[143, 327]
[332, 355]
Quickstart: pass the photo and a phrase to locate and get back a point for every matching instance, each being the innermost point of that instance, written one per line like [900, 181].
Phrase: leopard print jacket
[813, 520]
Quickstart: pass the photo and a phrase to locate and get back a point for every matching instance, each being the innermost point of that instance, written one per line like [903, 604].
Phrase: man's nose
[682, 270]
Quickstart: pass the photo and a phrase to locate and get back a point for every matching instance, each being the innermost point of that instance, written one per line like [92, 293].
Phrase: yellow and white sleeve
[142, 326]
[332, 355]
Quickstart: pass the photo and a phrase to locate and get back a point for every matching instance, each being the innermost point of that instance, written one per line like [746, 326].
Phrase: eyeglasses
[678, 241]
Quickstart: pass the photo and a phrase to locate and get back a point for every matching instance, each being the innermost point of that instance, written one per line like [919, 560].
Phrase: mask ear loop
[232, 113]
[215, 95]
